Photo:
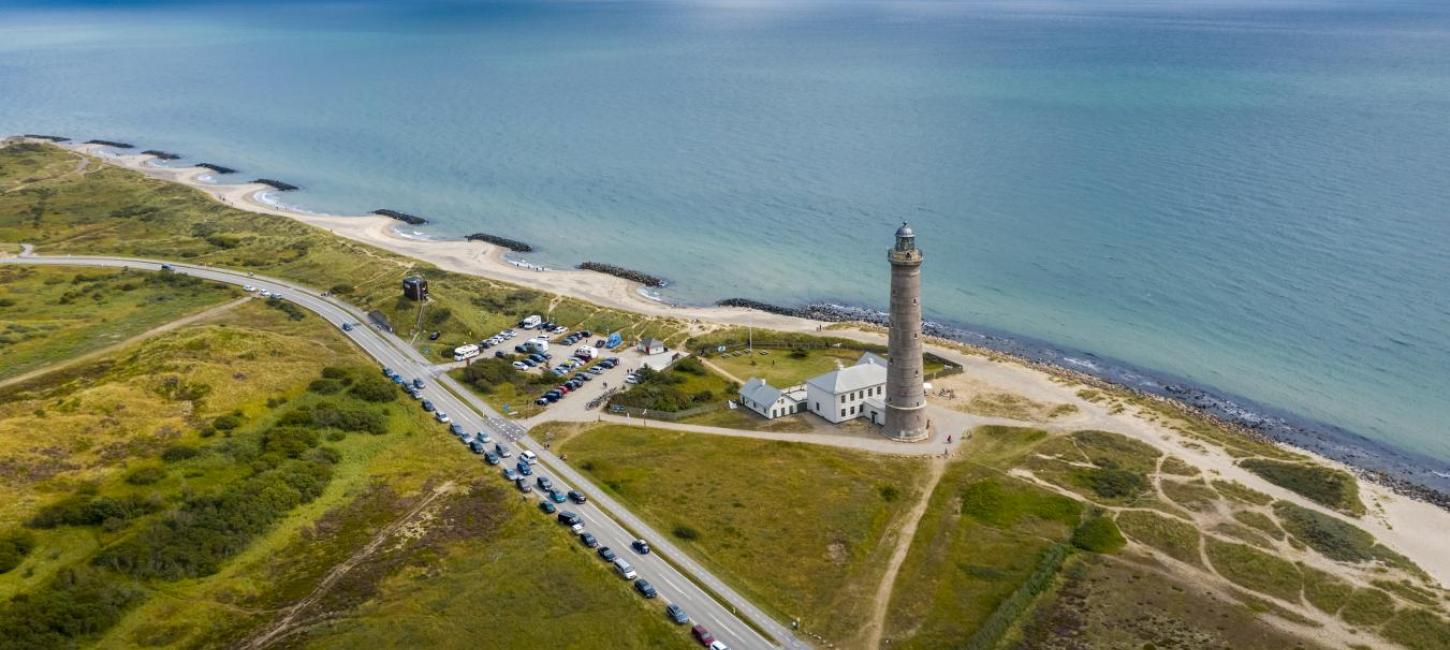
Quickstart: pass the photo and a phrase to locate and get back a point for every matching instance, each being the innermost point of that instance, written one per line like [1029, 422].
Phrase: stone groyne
[111, 143]
[511, 244]
[52, 138]
[285, 187]
[401, 216]
[621, 272]
[216, 168]
[161, 155]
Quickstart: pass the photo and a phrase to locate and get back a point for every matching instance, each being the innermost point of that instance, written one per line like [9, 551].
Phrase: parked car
[547, 507]
[718, 645]
[434, 336]
[418, 384]
[475, 447]
[442, 417]
[556, 496]
[519, 365]
[347, 327]
[529, 456]
[624, 569]
[457, 430]
[677, 614]
[510, 475]
[607, 553]
[525, 469]
[640, 546]
[523, 485]
[427, 406]
[588, 539]
[645, 588]
[490, 458]
[572, 520]
[544, 483]
[599, 343]
[542, 401]
[397, 380]
[702, 635]
[498, 354]
[502, 451]
[577, 496]
[482, 438]
[529, 363]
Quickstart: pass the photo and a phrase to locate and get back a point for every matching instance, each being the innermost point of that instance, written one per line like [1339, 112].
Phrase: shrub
[14, 546]
[1328, 487]
[686, 533]
[81, 510]
[1099, 535]
[1114, 483]
[373, 388]
[146, 475]
[995, 626]
[889, 493]
[206, 530]
[178, 452]
[324, 386]
[293, 311]
[1335, 539]
[77, 603]
[342, 289]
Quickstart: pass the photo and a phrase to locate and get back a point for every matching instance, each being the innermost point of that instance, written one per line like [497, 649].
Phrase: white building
[843, 394]
[652, 346]
[769, 401]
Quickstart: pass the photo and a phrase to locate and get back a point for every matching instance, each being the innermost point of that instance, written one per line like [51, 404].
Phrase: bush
[81, 510]
[992, 630]
[14, 546]
[373, 388]
[889, 493]
[227, 422]
[324, 386]
[291, 442]
[178, 452]
[206, 530]
[327, 415]
[1114, 483]
[1099, 535]
[342, 289]
[146, 476]
[293, 311]
[79, 602]
[686, 533]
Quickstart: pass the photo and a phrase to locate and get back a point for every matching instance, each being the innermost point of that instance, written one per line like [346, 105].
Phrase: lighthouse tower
[905, 397]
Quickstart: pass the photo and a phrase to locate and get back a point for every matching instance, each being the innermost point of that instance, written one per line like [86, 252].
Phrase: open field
[50, 314]
[782, 367]
[800, 528]
[743, 418]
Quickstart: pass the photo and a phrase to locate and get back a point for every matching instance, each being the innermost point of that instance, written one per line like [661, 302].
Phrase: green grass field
[49, 314]
[798, 528]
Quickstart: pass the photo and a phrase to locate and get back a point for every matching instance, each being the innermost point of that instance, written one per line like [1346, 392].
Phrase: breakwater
[216, 168]
[52, 138]
[161, 155]
[111, 143]
[621, 272]
[401, 216]
[511, 244]
[279, 185]
[1405, 472]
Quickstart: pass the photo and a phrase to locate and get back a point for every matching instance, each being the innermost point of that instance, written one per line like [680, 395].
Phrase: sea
[1246, 197]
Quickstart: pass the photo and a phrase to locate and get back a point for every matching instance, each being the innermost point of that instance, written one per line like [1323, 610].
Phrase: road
[724, 613]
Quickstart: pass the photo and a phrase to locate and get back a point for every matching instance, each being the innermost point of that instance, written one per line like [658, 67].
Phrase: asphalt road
[724, 613]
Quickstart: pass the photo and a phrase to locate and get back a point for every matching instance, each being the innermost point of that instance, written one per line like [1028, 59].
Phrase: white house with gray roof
[769, 401]
[858, 390]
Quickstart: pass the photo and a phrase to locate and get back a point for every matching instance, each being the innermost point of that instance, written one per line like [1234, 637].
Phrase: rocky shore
[216, 168]
[621, 272]
[404, 217]
[52, 138]
[111, 143]
[279, 185]
[161, 155]
[511, 244]
[1413, 475]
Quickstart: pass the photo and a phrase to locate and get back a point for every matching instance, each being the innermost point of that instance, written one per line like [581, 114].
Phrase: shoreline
[1411, 475]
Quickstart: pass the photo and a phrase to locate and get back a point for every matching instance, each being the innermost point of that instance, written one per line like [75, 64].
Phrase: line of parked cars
[577, 381]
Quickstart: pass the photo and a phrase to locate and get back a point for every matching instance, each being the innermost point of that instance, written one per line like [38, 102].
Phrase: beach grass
[800, 529]
[1255, 570]
[1174, 537]
[743, 418]
[50, 314]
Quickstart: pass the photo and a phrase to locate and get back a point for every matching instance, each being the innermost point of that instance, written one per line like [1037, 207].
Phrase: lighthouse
[905, 396]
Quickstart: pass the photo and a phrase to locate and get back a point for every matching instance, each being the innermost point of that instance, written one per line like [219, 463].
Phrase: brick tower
[905, 398]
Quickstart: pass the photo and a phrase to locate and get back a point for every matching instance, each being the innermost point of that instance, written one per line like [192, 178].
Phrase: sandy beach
[1409, 526]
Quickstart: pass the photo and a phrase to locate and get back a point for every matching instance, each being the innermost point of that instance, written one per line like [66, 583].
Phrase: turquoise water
[1253, 196]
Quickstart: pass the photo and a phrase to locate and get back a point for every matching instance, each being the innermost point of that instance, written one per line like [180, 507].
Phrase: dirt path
[287, 624]
[880, 604]
[720, 370]
[153, 332]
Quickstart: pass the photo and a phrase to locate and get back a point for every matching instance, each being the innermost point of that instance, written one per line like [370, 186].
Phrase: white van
[587, 352]
[539, 344]
[624, 569]
[531, 321]
[465, 352]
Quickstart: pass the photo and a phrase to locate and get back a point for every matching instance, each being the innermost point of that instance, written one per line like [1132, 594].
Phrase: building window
[843, 412]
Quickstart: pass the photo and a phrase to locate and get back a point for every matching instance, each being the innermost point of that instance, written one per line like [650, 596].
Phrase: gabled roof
[759, 391]
[845, 380]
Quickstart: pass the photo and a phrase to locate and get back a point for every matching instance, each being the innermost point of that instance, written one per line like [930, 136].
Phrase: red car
[702, 635]
[563, 389]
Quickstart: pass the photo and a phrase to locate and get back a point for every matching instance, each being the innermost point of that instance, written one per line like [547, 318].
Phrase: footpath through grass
[797, 528]
[49, 314]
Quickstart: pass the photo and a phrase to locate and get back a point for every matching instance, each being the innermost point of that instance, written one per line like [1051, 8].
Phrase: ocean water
[1249, 196]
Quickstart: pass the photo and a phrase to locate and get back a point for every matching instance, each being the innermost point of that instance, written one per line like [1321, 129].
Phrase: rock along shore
[404, 217]
[621, 272]
[511, 244]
